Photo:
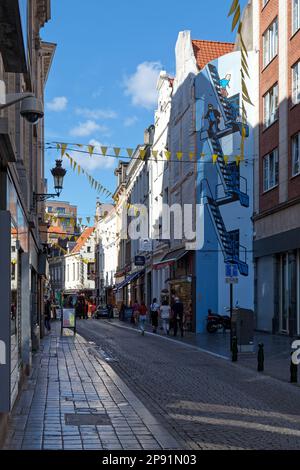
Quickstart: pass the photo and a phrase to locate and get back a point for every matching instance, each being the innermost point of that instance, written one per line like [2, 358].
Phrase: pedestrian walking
[178, 316]
[47, 315]
[165, 314]
[143, 317]
[86, 310]
[135, 312]
[154, 309]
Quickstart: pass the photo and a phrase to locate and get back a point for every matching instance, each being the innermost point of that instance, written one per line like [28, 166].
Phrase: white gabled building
[106, 254]
[80, 264]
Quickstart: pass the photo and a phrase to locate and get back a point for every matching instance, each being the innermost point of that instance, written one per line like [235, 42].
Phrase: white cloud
[141, 86]
[95, 162]
[130, 121]
[57, 104]
[87, 128]
[96, 113]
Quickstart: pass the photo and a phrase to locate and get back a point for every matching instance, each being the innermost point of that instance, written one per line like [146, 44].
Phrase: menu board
[68, 318]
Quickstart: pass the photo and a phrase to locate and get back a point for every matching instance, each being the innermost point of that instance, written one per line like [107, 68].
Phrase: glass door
[284, 294]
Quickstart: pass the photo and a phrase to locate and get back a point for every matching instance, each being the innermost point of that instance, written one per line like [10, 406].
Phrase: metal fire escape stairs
[230, 179]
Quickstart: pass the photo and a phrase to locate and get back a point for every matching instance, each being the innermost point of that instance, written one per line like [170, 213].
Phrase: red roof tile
[56, 229]
[206, 51]
[82, 239]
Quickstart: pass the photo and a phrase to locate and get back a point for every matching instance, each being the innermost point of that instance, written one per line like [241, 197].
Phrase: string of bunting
[90, 150]
[237, 24]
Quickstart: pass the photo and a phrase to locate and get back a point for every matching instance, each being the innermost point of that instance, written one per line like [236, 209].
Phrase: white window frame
[296, 82]
[295, 16]
[296, 154]
[270, 43]
[270, 181]
[271, 106]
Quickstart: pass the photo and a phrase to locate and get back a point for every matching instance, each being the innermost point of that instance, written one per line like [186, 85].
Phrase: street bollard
[234, 349]
[294, 372]
[260, 357]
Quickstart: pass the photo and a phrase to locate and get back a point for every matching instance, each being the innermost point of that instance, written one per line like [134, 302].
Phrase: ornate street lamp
[58, 173]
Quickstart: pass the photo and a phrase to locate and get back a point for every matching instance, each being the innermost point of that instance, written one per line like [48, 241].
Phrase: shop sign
[139, 261]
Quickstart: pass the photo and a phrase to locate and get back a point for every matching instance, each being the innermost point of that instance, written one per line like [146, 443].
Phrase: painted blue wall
[211, 290]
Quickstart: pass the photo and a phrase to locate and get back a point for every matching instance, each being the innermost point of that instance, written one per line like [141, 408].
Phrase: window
[73, 271]
[296, 15]
[270, 168]
[271, 106]
[88, 249]
[49, 209]
[296, 83]
[77, 271]
[68, 273]
[270, 43]
[296, 154]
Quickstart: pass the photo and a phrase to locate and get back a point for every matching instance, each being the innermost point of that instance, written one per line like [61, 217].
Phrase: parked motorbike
[217, 322]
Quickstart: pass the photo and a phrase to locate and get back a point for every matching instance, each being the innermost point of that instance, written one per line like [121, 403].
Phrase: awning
[128, 280]
[170, 258]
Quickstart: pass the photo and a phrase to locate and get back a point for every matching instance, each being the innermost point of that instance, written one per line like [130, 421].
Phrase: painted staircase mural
[228, 110]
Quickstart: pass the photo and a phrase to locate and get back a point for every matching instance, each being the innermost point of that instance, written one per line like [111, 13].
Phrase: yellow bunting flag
[130, 152]
[103, 150]
[215, 158]
[91, 149]
[167, 154]
[142, 154]
[63, 148]
[79, 145]
[237, 160]
[226, 158]
[117, 151]
[154, 153]
[192, 155]
[79, 169]
[57, 146]
[179, 155]
[233, 7]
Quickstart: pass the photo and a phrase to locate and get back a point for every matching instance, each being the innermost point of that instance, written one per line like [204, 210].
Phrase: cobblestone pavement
[277, 349]
[205, 402]
[74, 400]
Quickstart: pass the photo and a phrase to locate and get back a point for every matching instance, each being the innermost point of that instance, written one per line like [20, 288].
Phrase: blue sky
[100, 88]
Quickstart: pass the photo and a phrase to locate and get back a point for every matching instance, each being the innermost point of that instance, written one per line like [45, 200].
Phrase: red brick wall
[294, 111]
[269, 138]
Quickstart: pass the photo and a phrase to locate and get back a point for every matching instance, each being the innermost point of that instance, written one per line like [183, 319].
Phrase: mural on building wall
[225, 188]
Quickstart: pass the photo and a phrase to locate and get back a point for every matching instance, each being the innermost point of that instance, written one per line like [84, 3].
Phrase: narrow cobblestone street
[111, 388]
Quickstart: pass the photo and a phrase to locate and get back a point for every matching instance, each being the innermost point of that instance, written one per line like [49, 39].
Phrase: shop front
[180, 283]
[14, 294]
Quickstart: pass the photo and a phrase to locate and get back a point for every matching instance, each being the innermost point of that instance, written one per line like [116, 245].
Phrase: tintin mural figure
[224, 84]
[213, 116]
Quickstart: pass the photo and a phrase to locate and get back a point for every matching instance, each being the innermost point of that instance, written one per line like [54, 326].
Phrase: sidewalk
[74, 400]
[277, 349]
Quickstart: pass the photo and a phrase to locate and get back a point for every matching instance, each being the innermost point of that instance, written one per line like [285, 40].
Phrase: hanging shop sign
[139, 260]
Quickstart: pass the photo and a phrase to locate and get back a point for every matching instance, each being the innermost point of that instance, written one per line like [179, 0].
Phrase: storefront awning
[128, 280]
[170, 258]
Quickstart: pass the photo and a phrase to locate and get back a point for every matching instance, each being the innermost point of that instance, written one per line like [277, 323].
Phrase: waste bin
[243, 328]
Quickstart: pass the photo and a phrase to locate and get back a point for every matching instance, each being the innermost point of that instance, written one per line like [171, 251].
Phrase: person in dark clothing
[178, 316]
[47, 315]
[214, 117]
